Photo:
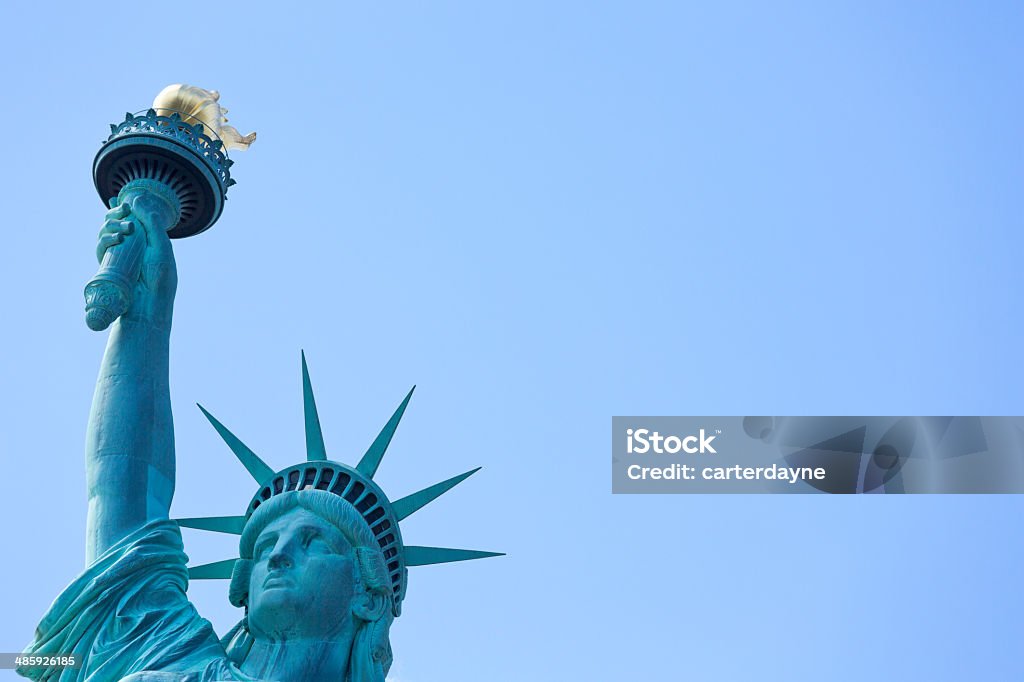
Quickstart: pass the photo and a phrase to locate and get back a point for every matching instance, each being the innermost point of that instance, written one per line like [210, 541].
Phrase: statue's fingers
[117, 227]
[108, 227]
[119, 212]
[105, 242]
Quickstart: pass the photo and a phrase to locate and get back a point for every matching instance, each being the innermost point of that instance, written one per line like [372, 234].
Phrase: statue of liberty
[322, 568]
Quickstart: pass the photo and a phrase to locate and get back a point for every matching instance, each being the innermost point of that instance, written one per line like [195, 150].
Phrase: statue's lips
[277, 581]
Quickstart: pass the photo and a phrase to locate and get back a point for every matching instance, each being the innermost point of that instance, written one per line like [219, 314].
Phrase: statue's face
[302, 578]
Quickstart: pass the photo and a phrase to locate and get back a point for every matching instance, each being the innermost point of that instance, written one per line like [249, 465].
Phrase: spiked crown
[353, 484]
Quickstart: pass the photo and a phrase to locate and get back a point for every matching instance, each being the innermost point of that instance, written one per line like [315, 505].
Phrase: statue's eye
[263, 550]
[315, 542]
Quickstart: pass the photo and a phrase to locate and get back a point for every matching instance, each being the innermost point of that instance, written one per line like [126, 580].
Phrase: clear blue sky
[546, 214]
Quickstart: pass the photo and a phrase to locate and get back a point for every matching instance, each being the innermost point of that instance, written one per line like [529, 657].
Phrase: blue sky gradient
[546, 214]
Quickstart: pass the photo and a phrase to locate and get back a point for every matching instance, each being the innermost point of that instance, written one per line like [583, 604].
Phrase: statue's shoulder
[128, 615]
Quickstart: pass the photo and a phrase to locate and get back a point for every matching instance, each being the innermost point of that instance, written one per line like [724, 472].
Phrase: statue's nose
[280, 558]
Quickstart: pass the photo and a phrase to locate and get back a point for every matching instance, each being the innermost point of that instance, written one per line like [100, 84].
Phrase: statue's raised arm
[165, 173]
[130, 438]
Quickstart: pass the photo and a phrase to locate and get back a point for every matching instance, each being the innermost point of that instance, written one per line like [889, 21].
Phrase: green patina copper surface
[321, 569]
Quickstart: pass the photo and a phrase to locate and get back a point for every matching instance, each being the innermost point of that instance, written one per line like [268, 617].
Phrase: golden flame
[197, 105]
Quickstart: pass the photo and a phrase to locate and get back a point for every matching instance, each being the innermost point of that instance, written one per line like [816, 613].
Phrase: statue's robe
[127, 616]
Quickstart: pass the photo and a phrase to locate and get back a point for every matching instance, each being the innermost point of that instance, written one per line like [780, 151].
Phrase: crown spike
[218, 570]
[257, 468]
[371, 460]
[425, 556]
[404, 507]
[218, 524]
[315, 449]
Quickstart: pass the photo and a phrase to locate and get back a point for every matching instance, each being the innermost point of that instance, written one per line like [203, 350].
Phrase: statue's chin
[276, 611]
[280, 617]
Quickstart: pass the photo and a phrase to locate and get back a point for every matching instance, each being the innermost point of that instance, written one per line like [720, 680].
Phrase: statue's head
[321, 553]
[311, 569]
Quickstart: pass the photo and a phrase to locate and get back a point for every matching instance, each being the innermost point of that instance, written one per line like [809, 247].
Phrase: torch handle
[109, 293]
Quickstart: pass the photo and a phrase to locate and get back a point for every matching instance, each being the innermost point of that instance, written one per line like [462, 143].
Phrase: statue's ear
[238, 591]
[369, 606]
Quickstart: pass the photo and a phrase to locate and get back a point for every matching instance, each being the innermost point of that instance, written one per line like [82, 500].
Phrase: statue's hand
[153, 295]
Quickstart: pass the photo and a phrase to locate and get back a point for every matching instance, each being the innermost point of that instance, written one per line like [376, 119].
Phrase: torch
[175, 152]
